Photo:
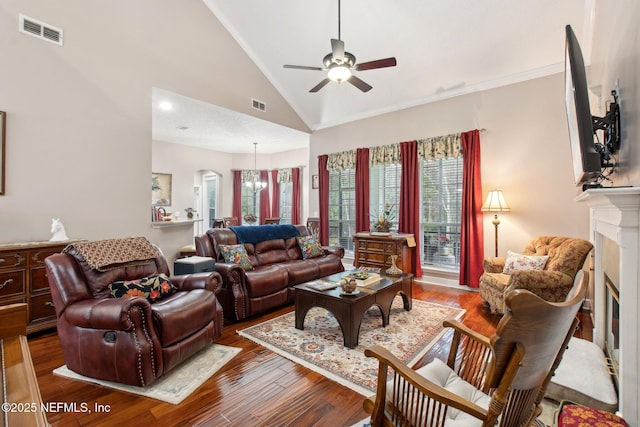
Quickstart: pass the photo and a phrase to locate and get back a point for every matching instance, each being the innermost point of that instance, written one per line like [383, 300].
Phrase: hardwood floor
[257, 388]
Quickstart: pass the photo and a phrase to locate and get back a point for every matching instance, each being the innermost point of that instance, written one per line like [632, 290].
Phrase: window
[342, 208]
[210, 182]
[286, 195]
[384, 190]
[250, 203]
[441, 212]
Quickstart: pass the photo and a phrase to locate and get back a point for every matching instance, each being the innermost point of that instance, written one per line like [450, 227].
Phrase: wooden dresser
[374, 250]
[23, 279]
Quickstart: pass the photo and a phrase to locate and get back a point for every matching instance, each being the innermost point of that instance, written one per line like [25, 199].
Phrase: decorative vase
[393, 270]
[190, 215]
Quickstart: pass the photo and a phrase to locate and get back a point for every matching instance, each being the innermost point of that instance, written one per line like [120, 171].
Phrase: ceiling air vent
[258, 105]
[39, 29]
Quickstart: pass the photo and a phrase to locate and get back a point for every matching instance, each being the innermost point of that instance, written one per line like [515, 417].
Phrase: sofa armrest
[120, 314]
[230, 274]
[538, 279]
[336, 250]
[208, 281]
[494, 264]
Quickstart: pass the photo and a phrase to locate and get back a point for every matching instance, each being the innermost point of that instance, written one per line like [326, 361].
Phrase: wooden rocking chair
[485, 380]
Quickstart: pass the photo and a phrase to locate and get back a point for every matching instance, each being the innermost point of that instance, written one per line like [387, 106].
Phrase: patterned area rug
[320, 347]
[179, 383]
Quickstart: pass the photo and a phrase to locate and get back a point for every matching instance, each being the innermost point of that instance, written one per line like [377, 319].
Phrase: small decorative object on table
[383, 224]
[348, 284]
[59, 233]
[250, 218]
[393, 270]
[190, 212]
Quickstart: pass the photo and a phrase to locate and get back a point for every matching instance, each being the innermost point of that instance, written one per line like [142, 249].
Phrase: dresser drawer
[36, 257]
[41, 308]
[11, 283]
[12, 260]
[39, 279]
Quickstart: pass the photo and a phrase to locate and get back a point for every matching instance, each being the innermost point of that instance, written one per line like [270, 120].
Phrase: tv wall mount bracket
[610, 125]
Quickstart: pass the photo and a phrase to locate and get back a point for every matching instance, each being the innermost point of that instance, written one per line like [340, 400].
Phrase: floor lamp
[495, 203]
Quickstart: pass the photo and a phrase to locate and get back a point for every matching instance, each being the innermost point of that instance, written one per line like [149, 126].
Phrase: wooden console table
[23, 280]
[373, 250]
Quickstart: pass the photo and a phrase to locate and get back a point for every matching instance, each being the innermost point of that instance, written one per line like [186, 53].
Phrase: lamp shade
[495, 202]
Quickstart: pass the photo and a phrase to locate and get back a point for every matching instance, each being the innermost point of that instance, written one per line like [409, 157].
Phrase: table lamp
[495, 203]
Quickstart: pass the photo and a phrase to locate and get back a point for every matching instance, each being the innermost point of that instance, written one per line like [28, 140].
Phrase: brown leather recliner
[129, 340]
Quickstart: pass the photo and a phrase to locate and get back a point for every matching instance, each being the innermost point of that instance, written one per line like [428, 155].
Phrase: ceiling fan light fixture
[339, 73]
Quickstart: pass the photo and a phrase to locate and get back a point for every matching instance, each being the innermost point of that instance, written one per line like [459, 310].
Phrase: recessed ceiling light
[166, 105]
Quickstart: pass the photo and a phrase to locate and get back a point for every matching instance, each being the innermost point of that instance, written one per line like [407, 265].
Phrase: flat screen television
[587, 165]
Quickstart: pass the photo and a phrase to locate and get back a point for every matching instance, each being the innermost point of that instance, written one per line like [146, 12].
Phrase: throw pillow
[153, 288]
[310, 247]
[236, 254]
[516, 261]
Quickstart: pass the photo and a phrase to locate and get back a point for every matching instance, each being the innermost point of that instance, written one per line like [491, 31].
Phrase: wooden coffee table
[349, 309]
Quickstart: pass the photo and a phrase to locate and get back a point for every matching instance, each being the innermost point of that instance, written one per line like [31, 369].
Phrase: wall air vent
[258, 105]
[39, 29]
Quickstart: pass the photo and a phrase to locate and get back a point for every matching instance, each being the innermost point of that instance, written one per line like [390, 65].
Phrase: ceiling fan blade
[380, 63]
[320, 85]
[337, 49]
[365, 87]
[303, 67]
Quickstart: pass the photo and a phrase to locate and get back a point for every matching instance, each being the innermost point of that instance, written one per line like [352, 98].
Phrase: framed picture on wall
[161, 189]
[315, 182]
[3, 133]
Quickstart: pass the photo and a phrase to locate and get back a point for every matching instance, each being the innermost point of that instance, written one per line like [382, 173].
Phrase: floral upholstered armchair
[547, 267]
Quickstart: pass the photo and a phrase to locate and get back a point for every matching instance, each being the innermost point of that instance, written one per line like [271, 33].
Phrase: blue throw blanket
[260, 233]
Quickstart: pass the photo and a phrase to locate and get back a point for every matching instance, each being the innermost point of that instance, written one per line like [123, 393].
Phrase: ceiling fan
[341, 64]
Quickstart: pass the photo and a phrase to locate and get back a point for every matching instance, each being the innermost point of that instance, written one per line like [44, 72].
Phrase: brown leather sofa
[277, 266]
[130, 340]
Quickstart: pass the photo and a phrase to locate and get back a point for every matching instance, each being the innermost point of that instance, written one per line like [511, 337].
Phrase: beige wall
[615, 63]
[79, 116]
[525, 153]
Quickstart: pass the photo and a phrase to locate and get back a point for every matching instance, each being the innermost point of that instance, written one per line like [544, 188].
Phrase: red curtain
[363, 222]
[323, 198]
[409, 212]
[275, 193]
[236, 205]
[265, 208]
[472, 230]
[295, 196]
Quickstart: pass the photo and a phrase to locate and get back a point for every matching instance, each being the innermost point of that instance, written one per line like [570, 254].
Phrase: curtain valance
[384, 155]
[284, 175]
[249, 175]
[440, 147]
[342, 160]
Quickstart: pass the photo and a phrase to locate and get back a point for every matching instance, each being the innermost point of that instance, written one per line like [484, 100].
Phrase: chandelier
[255, 184]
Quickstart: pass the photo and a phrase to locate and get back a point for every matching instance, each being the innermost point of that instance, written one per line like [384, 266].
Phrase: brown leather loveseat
[128, 339]
[276, 264]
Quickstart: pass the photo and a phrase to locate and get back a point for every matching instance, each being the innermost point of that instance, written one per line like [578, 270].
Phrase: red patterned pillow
[153, 288]
[581, 416]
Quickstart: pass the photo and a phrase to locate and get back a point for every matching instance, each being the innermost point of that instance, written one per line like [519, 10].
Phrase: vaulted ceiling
[443, 48]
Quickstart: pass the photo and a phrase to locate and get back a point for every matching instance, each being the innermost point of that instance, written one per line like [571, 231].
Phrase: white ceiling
[443, 49]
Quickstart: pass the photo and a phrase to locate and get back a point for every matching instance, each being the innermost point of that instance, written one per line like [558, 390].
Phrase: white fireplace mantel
[615, 214]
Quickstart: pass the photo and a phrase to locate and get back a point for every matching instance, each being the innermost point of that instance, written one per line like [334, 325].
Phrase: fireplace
[615, 233]
[612, 328]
